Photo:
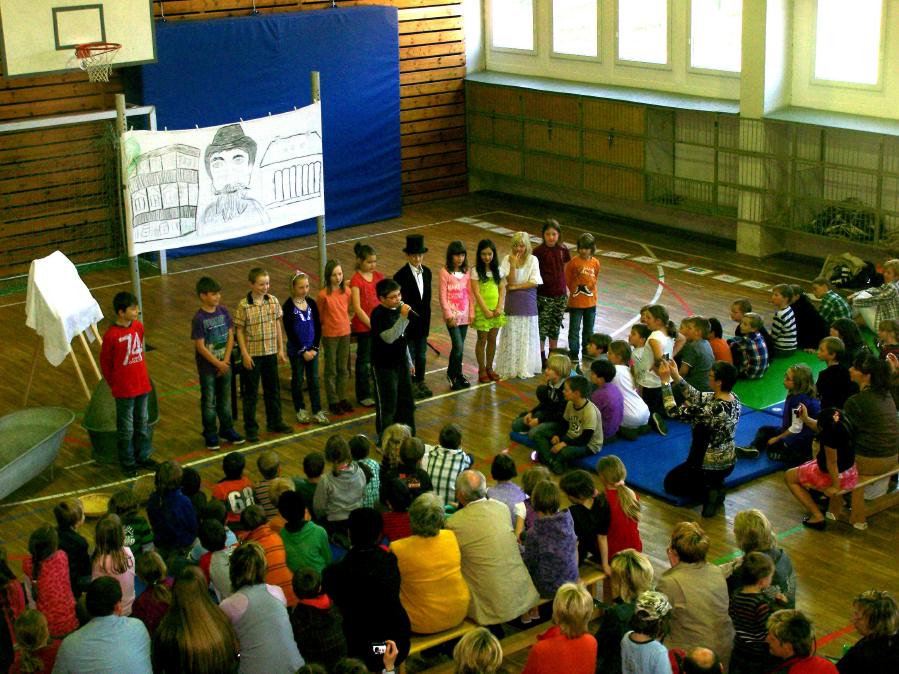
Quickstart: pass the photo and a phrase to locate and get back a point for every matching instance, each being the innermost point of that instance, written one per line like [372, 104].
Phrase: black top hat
[415, 245]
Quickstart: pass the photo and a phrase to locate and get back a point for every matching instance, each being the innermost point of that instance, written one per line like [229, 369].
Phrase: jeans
[215, 402]
[576, 329]
[545, 429]
[363, 365]
[298, 367]
[266, 369]
[394, 403]
[418, 350]
[337, 367]
[132, 431]
[457, 337]
[558, 462]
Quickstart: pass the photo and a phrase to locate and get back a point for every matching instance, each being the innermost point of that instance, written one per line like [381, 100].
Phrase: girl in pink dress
[364, 299]
[458, 309]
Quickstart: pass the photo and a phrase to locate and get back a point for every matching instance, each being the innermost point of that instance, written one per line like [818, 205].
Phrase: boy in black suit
[415, 284]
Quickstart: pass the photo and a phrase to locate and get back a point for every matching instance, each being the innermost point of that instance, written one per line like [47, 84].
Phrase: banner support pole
[123, 189]
[320, 220]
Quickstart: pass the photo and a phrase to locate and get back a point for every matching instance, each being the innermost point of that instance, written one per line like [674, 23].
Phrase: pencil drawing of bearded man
[229, 162]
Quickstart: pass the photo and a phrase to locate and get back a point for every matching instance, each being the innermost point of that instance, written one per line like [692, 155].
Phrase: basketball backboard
[39, 36]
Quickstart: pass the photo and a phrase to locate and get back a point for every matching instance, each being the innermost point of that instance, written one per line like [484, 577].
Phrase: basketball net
[96, 58]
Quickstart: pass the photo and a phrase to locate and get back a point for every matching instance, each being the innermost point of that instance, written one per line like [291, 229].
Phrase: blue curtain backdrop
[217, 72]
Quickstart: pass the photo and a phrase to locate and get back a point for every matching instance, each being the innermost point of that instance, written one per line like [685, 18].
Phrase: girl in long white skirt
[519, 343]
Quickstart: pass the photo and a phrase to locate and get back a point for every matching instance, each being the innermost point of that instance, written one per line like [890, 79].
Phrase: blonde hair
[32, 634]
[572, 609]
[753, 531]
[612, 473]
[109, 537]
[690, 542]
[391, 442]
[560, 364]
[632, 574]
[803, 379]
[892, 265]
[277, 487]
[478, 652]
[524, 239]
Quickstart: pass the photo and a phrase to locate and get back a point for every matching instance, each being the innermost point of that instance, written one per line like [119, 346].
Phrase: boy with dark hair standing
[213, 333]
[123, 366]
[261, 341]
[394, 400]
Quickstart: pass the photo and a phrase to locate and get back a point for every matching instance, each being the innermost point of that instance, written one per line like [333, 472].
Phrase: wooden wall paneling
[613, 148]
[495, 159]
[613, 182]
[614, 116]
[555, 107]
[553, 170]
[547, 137]
[34, 167]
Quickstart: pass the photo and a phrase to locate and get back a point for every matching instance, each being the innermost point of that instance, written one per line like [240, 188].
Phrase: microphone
[413, 312]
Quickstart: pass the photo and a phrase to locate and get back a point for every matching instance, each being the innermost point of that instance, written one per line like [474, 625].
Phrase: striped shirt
[749, 613]
[783, 329]
[833, 306]
[444, 466]
[261, 322]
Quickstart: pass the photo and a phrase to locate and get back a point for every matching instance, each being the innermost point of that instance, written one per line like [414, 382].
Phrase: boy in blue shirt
[213, 335]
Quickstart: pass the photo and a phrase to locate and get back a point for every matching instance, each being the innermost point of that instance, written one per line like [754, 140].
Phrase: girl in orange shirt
[334, 310]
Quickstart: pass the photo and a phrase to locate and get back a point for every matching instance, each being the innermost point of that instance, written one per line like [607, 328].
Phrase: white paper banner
[203, 185]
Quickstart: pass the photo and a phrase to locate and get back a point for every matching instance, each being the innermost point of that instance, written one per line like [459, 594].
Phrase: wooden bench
[860, 509]
[589, 574]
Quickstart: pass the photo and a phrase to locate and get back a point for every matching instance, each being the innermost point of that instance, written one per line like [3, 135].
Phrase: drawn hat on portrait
[415, 245]
[228, 138]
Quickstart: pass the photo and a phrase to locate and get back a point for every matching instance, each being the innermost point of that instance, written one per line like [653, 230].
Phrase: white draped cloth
[58, 305]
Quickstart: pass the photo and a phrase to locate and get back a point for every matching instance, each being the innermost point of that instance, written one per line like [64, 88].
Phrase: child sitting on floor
[153, 603]
[234, 490]
[643, 364]
[360, 447]
[888, 337]
[738, 310]
[503, 470]
[834, 385]
[313, 467]
[695, 360]
[832, 306]
[112, 558]
[138, 533]
[720, 349]
[607, 397]
[316, 620]
[395, 501]
[412, 451]
[215, 562]
[305, 543]
[749, 350]
[810, 326]
[550, 551]
[269, 466]
[635, 418]
[583, 435]
[749, 611]
[69, 516]
[783, 325]
[641, 648]
[340, 489]
[588, 509]
[529, 479]
[214, 510]
[546, 417]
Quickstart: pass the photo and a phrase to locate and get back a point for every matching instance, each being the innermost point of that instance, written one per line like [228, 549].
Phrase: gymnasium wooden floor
[832, 566]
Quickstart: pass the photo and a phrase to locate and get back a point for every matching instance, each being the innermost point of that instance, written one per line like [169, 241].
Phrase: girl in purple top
[506, 491]
[550, 550]
[304, 330]
[552, 294]
[458, 309]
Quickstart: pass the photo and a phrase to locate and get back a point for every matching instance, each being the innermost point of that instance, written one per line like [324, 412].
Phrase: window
[513, 24]
[716, 34]
[574, 27]
[643, 31]
[847, 41]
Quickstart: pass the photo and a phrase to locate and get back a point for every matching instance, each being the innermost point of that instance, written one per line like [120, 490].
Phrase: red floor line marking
[680, 300]
[506, 385]
[313, 277]
[827, 638]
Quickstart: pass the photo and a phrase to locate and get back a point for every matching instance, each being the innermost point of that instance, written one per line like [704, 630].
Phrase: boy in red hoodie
[122, 362]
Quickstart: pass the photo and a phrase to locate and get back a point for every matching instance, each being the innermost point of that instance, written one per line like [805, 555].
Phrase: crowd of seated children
[749, 348]
[583, 434]
[834, 385]
[607, 397]
[545, 419]
[396, 497]
[635, 414]
[445, 461]
[831, 304]
[791, 441]
[503, 471]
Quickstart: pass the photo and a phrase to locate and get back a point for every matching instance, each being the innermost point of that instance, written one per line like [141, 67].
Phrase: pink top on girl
[368, 297]
[334, 311]
[54, 592]
[454, 296]
[103, 567]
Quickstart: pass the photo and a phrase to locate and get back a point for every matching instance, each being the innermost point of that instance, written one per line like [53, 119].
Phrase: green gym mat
[769, 390]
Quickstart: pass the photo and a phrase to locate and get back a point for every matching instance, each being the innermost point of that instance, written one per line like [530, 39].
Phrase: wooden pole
[123, 198]
[90, 356]
[87, 392]
[320, 220]
[37, 351]
[96, 334]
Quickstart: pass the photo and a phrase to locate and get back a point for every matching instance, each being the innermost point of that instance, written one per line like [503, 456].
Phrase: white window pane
[847, 41]
[716, 34]
[643, 30]
[574, 27]
[513, 24]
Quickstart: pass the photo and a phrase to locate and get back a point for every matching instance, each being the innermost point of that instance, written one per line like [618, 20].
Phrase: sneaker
[860, 526]
[253, 436]
[212, 441]
[367, 402]
[148, 463]
[280, 427]
[419, 391]
[233, 437]
[829, 515]
[303, 416]
[534, 457]
[321, 418]
[658, 424]
[747, 452]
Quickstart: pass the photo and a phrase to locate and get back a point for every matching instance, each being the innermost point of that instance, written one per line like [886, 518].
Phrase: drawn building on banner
[164, 191]
[292, 169]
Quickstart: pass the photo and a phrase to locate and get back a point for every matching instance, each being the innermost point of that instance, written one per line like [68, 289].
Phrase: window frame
[690, 68]
[577, 57]
[669, 61]
[533, 51]
[815, 81]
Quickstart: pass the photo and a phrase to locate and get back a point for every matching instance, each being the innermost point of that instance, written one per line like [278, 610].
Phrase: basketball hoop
[96, 59]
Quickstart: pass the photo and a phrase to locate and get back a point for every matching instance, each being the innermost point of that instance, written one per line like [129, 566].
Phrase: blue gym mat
[649, 458]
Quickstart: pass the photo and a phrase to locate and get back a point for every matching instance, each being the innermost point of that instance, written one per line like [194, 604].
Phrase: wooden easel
[90, 357]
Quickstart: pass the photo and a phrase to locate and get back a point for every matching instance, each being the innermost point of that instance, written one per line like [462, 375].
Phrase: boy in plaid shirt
[749, 350]
[261, 342]
[832, 306]
[446, 461]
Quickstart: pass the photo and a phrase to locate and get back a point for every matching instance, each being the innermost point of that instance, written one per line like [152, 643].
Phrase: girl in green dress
[489, 292]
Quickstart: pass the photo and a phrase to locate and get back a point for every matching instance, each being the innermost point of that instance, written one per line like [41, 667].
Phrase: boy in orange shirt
[234, 490]
[580, 277]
